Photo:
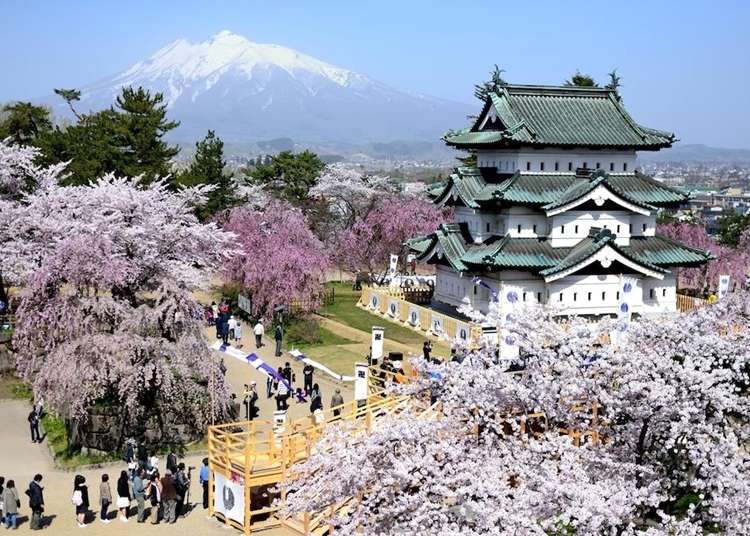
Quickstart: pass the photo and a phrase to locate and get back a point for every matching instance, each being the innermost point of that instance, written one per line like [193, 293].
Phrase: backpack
[77, 498]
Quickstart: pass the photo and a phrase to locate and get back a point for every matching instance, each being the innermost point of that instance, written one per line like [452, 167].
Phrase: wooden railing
[687, 303]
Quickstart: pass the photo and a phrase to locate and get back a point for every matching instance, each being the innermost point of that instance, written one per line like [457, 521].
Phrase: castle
[554, 210]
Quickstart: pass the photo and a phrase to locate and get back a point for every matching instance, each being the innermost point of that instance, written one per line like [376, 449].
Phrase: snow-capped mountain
[248, 91]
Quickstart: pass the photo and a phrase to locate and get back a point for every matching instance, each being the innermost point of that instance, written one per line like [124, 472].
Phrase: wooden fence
[687, 303]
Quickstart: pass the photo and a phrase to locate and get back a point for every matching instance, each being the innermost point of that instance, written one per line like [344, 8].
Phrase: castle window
[664, 292]
[539, 297]
[598, 165]
[618, 229]
[524, 297]
[585, 165]
[624, 166]
[651, 293]
[560, 298]
[528, 166]
[618, 295]
[557, 166]
[575, 296]
[575, 230]
[611, 166]
[604, 296]
[534, 228]
[630, 228]
[570, 166]
[488, 227]
[562, 229]
[541, 166]
[475, 291]
[519, 227]
[644, 227]
[589, 296]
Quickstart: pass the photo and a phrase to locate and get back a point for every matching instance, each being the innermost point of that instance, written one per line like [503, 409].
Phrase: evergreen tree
[144, 124]
[481, 91]
[731, 228]
[24, 122]
[126, 139]
[208, 168]
[580, 80]
[289, 176]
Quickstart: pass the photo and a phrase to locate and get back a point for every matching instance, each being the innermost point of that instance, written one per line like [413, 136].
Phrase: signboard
[723, 286]
[413, 317]
[508, 346]
[393, 308]
[378, 336]
[462, 332]
[229, 498]
[374, 302]
[360, 381]
[243, 302]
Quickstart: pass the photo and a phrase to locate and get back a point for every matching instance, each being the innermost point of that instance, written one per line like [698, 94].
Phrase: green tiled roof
[484, 188]
[597, 239]
[535, 254]
[557, 116]
[664, 251]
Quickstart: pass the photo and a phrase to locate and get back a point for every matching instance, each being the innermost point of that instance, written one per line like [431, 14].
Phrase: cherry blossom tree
[368, 243]
[280, 260]
[665, 453]
[107, 315]
[732, 261]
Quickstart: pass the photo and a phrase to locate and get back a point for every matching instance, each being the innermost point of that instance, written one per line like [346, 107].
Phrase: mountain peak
[243, 89]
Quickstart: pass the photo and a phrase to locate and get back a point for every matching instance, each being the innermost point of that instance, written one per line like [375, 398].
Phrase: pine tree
[144, 124]
[208, 168]
[289, 176]
[24, 122]
[580, 80]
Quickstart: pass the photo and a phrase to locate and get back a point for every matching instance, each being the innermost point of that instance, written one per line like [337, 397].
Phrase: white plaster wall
[454, 289]
[643, 225]
[571, 227]
[511, 161]
[522, 222]
[660, 296]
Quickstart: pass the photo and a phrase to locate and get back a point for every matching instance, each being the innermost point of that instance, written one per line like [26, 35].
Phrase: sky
[685, 65]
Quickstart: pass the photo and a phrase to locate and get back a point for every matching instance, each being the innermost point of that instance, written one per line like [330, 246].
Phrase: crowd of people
[159, 496]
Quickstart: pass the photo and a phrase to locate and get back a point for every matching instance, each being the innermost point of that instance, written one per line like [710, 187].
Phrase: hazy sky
[685, 65]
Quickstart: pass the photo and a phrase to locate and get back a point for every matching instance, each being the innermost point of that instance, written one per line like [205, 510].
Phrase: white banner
[376, 342]
[723, 286]
[463, 332]
[229, 498]
[361, 372]
[393, 264]
[509, 304]
[437, 325]
[627, 295]
[413, 316]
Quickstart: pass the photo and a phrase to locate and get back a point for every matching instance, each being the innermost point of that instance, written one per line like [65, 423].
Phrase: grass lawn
[12, 387]
[345, 310]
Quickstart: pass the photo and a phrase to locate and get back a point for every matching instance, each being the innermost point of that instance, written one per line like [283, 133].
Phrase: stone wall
[105, 431]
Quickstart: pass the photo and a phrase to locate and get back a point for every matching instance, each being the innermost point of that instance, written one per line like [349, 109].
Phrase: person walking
[336, 401]
[154, 496]
[203, 477]
[238, 334]
[33, 419]
[282, 394]
[139, 494]
[259, 331]
[288, 375]
[426, 350]
[232, 325]
[2, 488]
[182, 484]
[307, 375]
[11, 503]
[36, 502]
[169, 497]
[278, 335]
[80, 499]
[172, 461]
[269, 386]
[123, 496]
[250, 400]
[105, 499]
[316, 401]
